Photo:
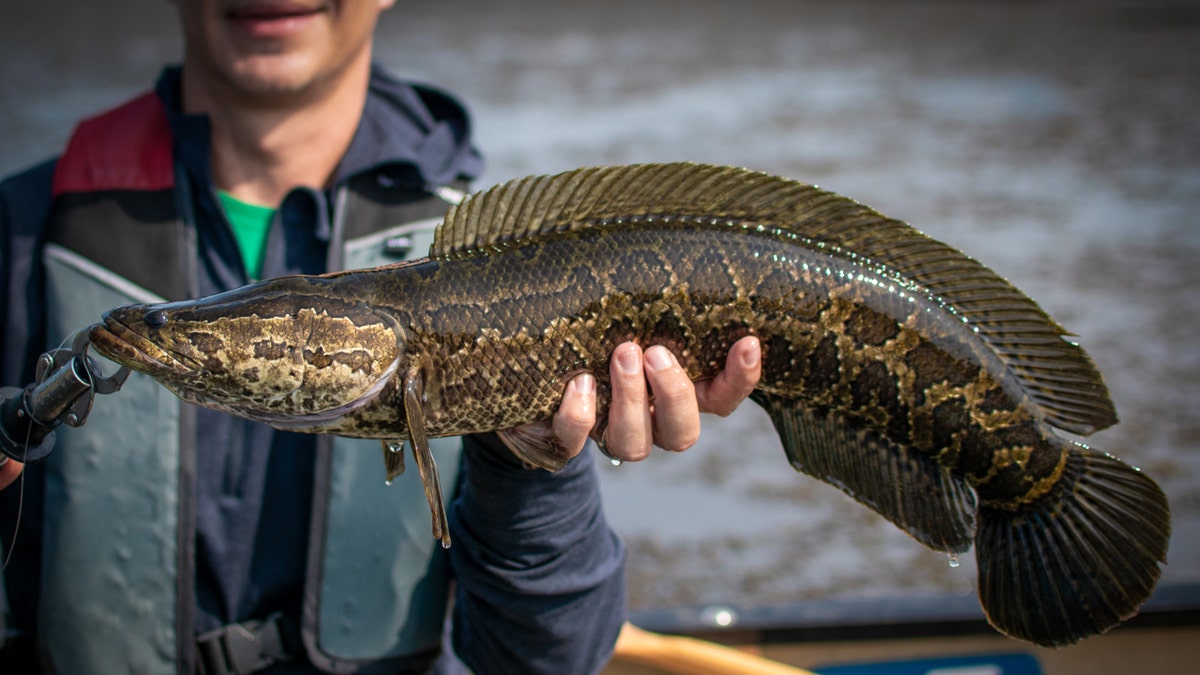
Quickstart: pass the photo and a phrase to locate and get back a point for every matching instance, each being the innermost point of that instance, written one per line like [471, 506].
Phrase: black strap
[248, 647]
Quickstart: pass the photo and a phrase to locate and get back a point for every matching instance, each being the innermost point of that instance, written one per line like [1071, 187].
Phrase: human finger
[676, 415]
[629, 435]
[9, 471]
[743, 369]
[576, 414]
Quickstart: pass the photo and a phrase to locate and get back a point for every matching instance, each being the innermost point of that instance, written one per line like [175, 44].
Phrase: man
[164, 538]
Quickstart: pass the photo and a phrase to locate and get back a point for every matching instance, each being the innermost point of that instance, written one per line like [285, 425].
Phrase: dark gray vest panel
[109, 600]
[378, 582]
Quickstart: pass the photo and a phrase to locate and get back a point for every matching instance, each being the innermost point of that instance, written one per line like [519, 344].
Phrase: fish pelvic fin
[908, 488]
[414, 406]
[536, 445]
[393, 459]
[1080, 559]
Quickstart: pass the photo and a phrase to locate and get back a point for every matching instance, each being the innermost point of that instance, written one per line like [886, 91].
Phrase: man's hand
[667, 412]
[9, 472]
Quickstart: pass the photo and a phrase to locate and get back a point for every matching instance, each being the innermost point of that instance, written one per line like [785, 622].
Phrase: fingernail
[584, 384]
[629, 362]
[750, 356]
[658, 358]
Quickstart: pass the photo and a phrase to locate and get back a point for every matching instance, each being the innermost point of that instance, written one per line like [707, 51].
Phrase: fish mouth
[118, 342]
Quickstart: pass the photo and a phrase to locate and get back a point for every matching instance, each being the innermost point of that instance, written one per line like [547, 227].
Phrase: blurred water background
[1058, 141]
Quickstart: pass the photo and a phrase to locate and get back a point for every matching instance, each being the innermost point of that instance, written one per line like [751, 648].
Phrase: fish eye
[155, 319]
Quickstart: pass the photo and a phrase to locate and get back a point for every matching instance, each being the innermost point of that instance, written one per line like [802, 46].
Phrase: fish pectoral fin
[414, 407]
[908, 488]
[393, 459]
[536, 445]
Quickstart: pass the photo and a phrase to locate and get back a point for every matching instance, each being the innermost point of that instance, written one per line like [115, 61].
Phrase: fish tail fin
[1078, 560]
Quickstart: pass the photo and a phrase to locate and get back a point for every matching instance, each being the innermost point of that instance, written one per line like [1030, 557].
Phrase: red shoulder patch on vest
[126, 148]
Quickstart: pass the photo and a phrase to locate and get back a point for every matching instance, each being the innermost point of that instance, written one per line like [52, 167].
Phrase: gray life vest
[118, 582]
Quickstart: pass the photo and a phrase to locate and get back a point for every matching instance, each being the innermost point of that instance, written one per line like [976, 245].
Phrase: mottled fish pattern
[894, 367]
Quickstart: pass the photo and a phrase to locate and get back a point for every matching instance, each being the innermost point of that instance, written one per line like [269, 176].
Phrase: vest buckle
[247, 647]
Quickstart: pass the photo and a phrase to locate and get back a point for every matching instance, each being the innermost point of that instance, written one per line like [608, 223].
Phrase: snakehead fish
[894, 367]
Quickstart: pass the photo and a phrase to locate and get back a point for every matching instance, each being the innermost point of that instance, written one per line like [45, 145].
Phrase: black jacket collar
[411, 131]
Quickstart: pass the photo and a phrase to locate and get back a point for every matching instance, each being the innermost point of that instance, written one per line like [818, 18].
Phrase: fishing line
[69, 338]
[8, 553]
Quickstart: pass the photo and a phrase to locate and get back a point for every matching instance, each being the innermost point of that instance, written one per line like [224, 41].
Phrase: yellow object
[688, 656]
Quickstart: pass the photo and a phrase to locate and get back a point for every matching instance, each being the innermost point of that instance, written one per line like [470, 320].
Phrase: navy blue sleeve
[24, 206]
[541, 584]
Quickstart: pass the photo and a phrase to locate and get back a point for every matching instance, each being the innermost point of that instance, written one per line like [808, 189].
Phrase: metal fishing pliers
[65, 385]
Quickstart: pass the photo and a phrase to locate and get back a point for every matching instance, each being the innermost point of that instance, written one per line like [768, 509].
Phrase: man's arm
[540, 576]
[541, 585]
[24, 205]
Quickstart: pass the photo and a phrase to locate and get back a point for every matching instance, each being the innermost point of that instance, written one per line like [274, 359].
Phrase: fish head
[287, 351]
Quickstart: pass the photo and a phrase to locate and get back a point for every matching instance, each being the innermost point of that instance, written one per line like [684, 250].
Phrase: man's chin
[273, 75]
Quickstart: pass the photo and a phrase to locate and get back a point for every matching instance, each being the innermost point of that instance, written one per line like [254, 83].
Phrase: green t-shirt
[251, 223]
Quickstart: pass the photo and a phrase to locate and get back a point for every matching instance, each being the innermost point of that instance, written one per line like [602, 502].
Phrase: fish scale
[893, 366]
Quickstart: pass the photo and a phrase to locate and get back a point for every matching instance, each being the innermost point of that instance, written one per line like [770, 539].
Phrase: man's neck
[262, 149]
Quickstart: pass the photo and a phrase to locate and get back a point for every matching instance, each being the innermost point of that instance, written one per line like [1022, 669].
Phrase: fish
[894, 367]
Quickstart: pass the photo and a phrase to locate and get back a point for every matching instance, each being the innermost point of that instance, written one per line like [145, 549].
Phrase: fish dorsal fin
[908, 488]
[1058, 375]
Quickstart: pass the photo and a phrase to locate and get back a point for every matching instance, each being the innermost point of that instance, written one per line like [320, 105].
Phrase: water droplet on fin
[616, 462]
[388, 481]
[953, 562]
[395, 447]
